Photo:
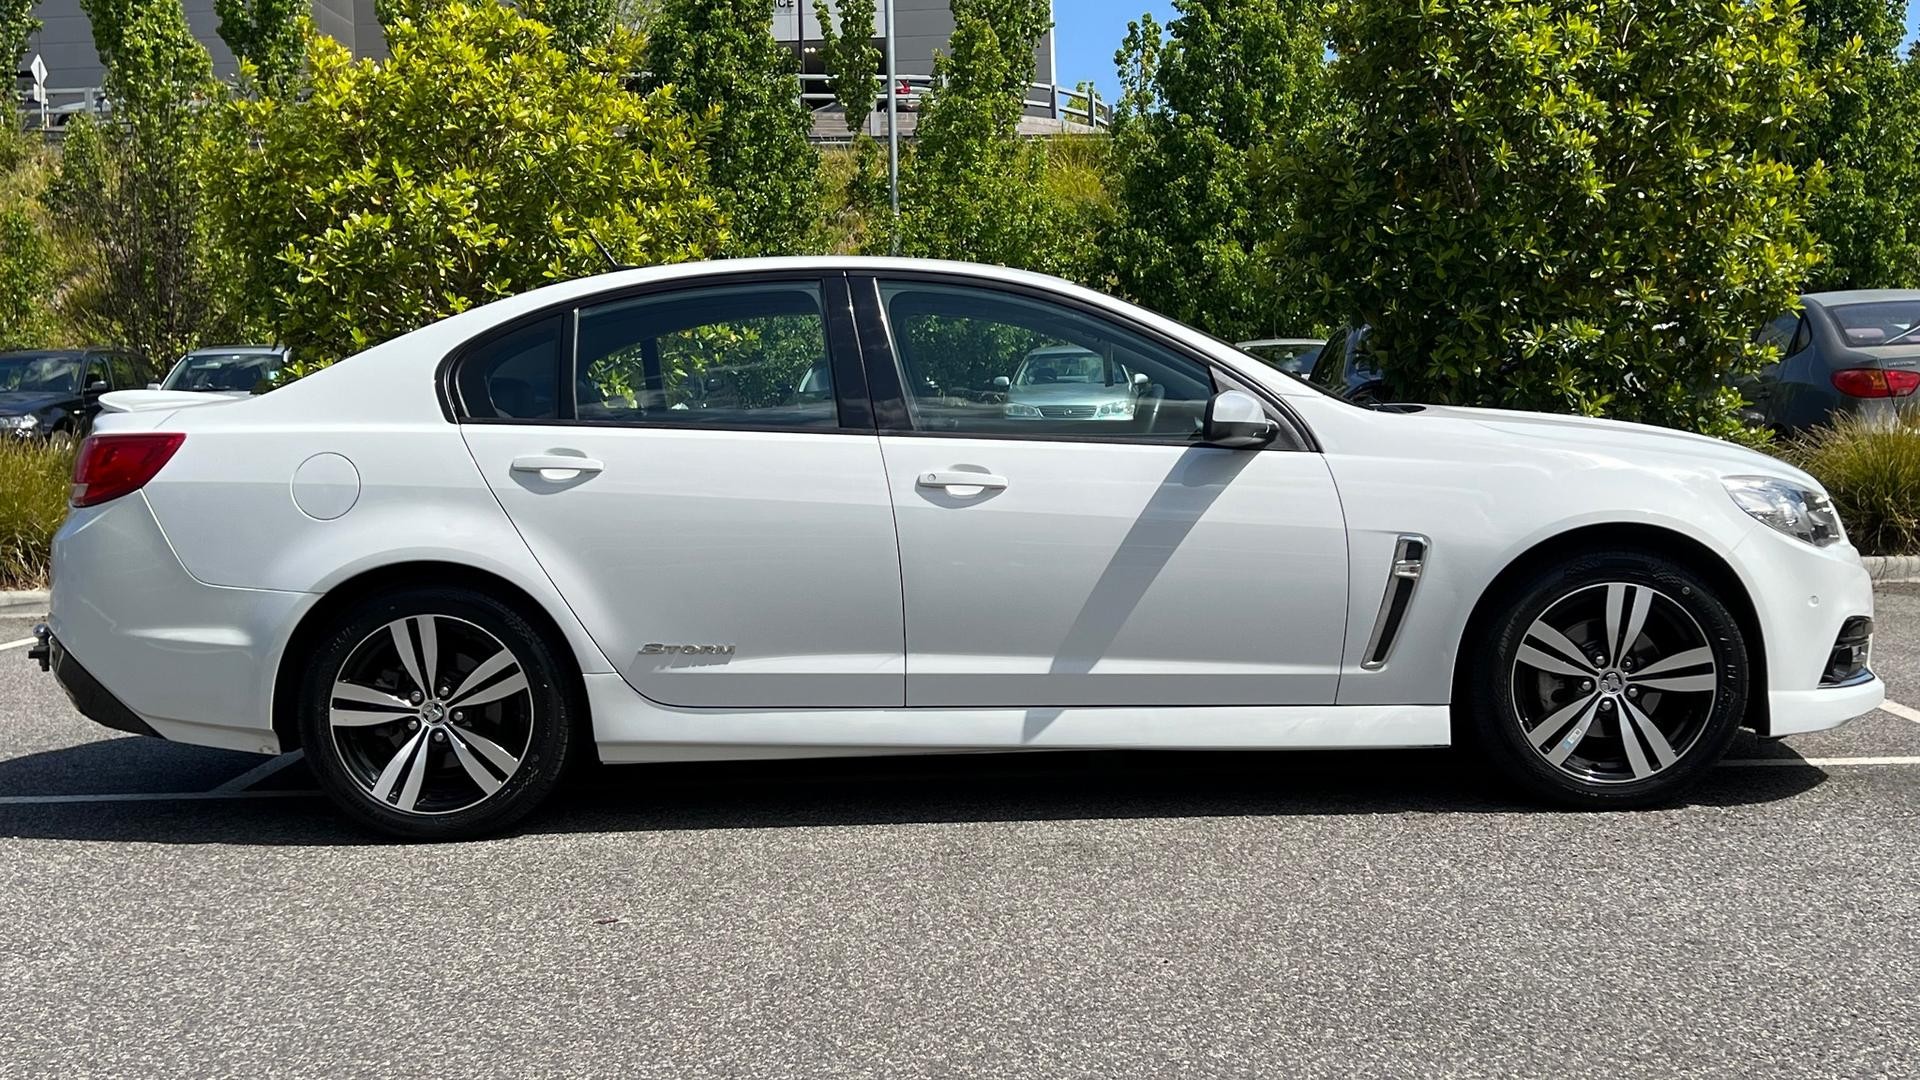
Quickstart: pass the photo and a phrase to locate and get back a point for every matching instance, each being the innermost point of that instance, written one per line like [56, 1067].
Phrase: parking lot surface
[1056, 915]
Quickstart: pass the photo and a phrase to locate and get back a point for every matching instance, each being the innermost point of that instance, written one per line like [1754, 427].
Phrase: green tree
[481, 159]
[17, 24]
[1863, 134]
[1573, 205]
[270, 35]
[973, 188]
[578, 24]
[725, 67]
[26, 279]
[853, 61]
[128, 192]
[1235, 83]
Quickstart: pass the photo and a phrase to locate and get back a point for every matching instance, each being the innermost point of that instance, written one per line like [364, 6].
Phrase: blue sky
[1088, 32]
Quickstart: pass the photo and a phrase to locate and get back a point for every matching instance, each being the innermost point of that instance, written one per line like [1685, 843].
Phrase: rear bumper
[94, 701]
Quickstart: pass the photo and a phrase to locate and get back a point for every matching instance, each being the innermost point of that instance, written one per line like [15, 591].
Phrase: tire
[479, 750]
[1608, 731]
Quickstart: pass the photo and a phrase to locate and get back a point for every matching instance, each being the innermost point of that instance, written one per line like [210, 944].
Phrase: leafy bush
[482, 159]
[34, 479]
[1872, 470]
[1571, 206]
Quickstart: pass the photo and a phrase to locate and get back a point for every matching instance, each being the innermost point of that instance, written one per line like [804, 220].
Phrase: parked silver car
[1067, 382]
[231, 370]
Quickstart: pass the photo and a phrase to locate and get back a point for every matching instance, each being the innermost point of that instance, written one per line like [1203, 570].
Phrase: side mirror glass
[1237, 421]
[1002, 382]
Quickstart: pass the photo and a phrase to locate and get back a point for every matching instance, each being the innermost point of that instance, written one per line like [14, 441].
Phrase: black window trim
[853, 401]
[887, 381]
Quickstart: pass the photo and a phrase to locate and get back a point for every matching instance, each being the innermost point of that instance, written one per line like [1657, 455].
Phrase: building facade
[65, 41]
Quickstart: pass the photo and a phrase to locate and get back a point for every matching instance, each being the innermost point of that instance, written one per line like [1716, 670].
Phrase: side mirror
[97, 387]
[1237, 421]
[1141, 382]
[153, 386]
[1002, 382]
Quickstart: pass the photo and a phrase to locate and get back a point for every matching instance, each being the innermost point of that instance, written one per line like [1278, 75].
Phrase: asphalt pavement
[1055, 915]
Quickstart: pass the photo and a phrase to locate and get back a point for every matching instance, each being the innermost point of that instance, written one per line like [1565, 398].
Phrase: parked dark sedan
[54, 394]
[1843, 353]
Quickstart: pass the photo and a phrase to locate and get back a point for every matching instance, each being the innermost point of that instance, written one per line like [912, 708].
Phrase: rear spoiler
[128, 401]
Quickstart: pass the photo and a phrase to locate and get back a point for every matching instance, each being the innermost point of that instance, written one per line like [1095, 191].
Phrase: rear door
[697, 470]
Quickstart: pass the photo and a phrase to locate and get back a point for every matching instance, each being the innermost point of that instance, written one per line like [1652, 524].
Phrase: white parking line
[258, 773]
[1902, 711]
[151, 796]
[1823, 762]
[18, 644]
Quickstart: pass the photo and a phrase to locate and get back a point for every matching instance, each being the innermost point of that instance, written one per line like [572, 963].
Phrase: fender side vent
[1409, 559]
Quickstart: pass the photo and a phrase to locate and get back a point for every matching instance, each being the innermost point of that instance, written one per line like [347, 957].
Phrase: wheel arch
[413, 574]
[1655, 539]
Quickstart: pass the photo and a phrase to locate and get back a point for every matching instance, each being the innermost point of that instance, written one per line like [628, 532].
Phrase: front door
[1065, 540]
[697, 471]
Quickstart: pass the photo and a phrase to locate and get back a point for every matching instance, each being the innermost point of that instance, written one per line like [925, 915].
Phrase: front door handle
[958, 478]
[556, 463]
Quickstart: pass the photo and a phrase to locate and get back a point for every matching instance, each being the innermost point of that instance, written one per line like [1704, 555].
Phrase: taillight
[1876, 382]
[110, 466]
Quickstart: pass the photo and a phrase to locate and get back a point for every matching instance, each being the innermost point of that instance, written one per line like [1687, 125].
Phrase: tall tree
[724, 65]
[17, 24]
[270, 35]
[1573, 205]
[578, 24]
[853, 61]
[1231, 85]
[1863, 134]
[973, 188]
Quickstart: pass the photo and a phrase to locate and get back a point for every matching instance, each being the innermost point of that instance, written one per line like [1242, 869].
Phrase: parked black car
[1843, 353]
[1340, 370]
[54, 394]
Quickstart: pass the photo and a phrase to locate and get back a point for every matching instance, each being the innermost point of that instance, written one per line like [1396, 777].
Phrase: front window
[40, 374]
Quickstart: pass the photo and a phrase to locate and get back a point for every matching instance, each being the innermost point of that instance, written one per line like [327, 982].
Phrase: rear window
[1879, 322]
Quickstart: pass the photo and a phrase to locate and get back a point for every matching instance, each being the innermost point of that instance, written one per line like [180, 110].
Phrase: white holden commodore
[785, 509]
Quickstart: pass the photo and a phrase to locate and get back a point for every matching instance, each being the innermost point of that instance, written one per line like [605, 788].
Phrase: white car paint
[1108, 596]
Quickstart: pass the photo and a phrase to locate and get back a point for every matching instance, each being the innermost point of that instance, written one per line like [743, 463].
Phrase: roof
[1859, 296]
[1272, 342]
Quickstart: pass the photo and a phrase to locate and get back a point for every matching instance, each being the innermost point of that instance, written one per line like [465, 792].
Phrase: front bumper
[1806, 598]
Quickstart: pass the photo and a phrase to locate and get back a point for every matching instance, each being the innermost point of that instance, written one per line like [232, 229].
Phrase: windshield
[225, 372]
[1880, 322]
[1294, 358]
[44, 374]
[1046, 369]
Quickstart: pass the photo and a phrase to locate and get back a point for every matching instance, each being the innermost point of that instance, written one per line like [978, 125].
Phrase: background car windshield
[1066, 367]
[223, 371]
[1878, 322]
[47, 374]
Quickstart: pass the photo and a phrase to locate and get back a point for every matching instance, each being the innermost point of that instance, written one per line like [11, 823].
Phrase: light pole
[893, 128]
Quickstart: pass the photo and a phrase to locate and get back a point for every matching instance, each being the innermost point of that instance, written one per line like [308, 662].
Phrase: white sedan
[778, 509]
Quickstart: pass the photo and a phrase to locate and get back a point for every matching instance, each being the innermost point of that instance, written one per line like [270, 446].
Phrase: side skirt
[628, 728]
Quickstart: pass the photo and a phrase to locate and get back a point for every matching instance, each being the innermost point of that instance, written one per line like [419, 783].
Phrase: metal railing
[1051, 101]
[62, 105]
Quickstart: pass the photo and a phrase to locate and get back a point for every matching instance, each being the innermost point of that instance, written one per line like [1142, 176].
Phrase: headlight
[1116, 409]
[1799, 512]
[20, 423]
[1014, 408]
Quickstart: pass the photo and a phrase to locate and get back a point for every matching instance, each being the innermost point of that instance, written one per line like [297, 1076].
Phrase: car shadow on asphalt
[951, 788]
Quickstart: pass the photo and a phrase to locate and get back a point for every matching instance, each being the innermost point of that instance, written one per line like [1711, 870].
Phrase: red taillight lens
[110, 466]
[1876, 382]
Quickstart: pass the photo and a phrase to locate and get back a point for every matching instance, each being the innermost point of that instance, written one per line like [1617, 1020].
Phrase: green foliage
[1579, 205]
[480, 160]
[271, 35]
[1235, 83]
[852, 60]
[17, 24]
[34, 481]
[724, 66]
[973, 189]
[1863, 133]
[26, 279]
[578, 24]
[129, 198]
[1872, 470]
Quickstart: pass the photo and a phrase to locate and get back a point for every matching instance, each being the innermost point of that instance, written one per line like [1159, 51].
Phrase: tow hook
[41, 651]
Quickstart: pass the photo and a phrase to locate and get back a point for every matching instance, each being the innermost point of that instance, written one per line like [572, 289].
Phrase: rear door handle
[546, 463]
[955, 478]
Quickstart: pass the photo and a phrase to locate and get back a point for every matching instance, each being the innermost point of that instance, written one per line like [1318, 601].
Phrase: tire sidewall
[1495, 720]
[548, 749]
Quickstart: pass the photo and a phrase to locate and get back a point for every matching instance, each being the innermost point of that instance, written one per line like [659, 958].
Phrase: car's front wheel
[436, 714]
[1612, 680]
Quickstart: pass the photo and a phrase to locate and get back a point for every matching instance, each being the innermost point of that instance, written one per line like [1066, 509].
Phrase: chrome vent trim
[1409, 560]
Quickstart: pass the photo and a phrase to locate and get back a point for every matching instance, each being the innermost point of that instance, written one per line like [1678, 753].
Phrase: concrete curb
[23, 602]
[1893, 569]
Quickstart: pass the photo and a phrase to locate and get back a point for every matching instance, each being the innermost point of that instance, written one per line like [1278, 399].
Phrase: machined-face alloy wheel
[431, 715]
[1614, 683]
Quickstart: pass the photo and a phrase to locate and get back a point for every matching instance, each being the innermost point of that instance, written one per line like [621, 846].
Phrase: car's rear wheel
[1612, 680]
[436, 714]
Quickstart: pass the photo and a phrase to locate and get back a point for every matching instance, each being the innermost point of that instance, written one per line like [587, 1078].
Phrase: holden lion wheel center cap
[433, 712]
